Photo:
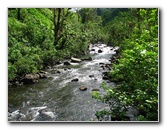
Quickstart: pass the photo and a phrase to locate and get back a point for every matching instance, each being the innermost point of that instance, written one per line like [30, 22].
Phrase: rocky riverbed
[65, 92]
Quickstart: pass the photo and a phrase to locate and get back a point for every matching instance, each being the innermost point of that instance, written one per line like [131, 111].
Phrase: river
[58, 98]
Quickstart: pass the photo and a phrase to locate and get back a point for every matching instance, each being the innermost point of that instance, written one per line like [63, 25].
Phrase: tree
[136, 71]
[60, 15]
[19, 14]
[37, 37]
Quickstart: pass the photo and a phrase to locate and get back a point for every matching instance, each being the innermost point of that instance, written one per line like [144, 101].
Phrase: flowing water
[57, 98]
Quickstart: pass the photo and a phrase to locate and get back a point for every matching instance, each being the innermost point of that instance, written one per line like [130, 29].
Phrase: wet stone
[66, 63]
[57, 62]
[101, 63]
[83, 88]
[75, 80]
[95, 89]
[105, 78]
[91, 76]
[75, 60]
[100, 51]
[58, 72]
[111, 48]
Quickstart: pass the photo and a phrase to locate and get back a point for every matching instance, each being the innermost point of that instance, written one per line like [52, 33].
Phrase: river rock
[30, 78]
[83, 88]
[117, 50]
[66, 63]
[75, 80]
[48, 67]
[103, 67]
[43, 74]
[91, 76]
[93, 49]
[108, 66]
[75, 60]
[95, 89]
[111, 48]
[57, 62]
[101, 63]
[105, 73]
[105, 77]
[58, 71]
[100, 51]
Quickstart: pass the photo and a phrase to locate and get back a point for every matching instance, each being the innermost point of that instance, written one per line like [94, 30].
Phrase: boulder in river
[75, 60]
[108, 66]
[92, 49]
[101, 63]
[58, 71]
[65, 69]
[75, 80]
[57, 62]
[103, 67]
[105, 73]
[111, 48]
[83, 88]
[105, 77]
[100, 51]
[116, 49]
[95, 89]
[91, 76]
[43, 74]
[66, 63]
[30, 78]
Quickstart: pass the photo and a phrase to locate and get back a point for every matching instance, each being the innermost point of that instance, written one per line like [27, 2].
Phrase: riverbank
[66, 93]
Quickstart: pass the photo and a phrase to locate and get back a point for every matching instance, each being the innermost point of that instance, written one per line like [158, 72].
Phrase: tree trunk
[54, 21]
[58, 26]
[19, 14]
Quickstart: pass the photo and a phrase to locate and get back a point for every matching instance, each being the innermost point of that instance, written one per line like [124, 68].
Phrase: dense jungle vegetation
[38, 37]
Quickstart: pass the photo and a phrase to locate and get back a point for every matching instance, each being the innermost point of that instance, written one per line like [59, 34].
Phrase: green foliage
[80, 34]
[137, 69]
[108, 14]
[120, 28]
[32, 43]
[11, 71]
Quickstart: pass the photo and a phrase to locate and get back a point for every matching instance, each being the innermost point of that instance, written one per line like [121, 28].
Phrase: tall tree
[60, 15]
[19, 14]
